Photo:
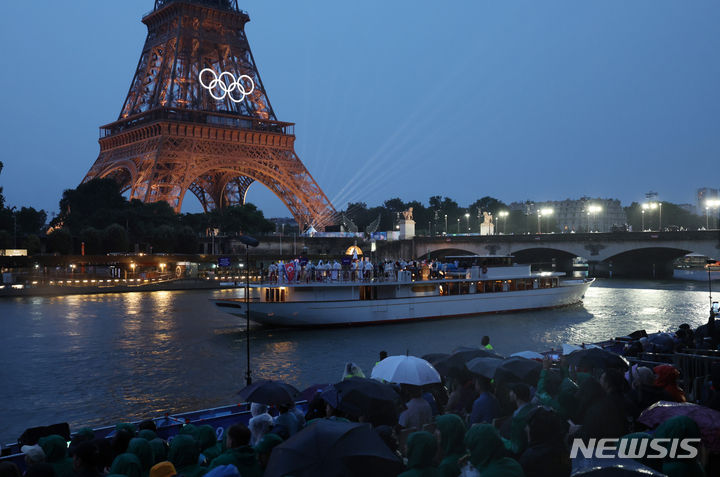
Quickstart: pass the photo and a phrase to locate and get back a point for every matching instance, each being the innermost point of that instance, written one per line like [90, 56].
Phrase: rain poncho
[184, 455]
[147, 434]
[243, 457]
[486, 453]
[55, 449]
[421, 449]
[159, 450]
[452, 433]
[207, 441]
[667, 380]
[126, 464]
[141, 448]
[126, 426]
[679, 427]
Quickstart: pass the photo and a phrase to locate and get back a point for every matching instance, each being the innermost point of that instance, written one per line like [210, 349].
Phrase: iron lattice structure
[172, 136]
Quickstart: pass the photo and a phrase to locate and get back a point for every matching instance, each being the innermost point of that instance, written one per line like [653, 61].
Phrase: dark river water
[98, 359]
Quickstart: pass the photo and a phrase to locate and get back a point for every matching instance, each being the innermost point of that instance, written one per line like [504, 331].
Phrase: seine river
[99, 359]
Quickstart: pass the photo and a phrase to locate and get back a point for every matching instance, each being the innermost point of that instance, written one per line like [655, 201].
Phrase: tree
[163, 239]
[30, 221]
[60, 241]
[2, 197]
[186, 240]
[93, 240]
[33, 244]
[6, 239]
[115, 238]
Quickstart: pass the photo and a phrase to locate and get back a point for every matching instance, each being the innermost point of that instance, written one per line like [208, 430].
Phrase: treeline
[443, 214]
[97, 216]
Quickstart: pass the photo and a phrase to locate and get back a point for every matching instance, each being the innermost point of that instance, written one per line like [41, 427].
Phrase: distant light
[547, 211]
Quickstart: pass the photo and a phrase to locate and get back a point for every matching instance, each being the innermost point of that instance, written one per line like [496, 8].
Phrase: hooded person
[486, 453]
[141, 448]
[147, 434]
[126, 464]
[184, 454]
[55, 449]
[352, 370]
[260, 423]
[239, 453]
[159, 449]
[264, 448]
[679, 427]
[163, 469]
[452, 434]
[666, 378]
[9, 469]
[421, 450]
[207, 441]
[546, 453]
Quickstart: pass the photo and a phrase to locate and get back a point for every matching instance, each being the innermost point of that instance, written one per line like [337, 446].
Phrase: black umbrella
[433, 358]
[333, 448]
[484, 366]
[613, 467]
[518, 370]
[273, 393]
[455, 364]
[362, 397]
[596, 358]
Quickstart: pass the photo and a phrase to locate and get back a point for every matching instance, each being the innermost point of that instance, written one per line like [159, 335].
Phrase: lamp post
[467, 218]
[544, 213]
[710, 204]
[249, 242]
[659, 216]
[445, 224]
[503, 215]
[539, 217]
[458, 225]
[593, 209]
[643, 218]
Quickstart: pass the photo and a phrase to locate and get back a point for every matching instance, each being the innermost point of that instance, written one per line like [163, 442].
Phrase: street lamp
[643, 218]
[445, 224]
[132, 266]
[458, 225]
[710, 204]
[593, 209]
[503, 215]
[467, 217]
[543, 212]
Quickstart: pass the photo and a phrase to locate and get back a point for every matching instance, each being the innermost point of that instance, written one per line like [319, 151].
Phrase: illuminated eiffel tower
[212, 133]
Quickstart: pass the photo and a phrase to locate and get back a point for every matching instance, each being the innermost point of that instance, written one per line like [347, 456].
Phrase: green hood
[184, 451]
[267, 443]
[141, 448]
[678, 427]
[159, 450]
[421, 449]
[126, 464]
[484, 444]
[452, 433]
[205, 436]
[125, 426]
[55, 448]
[147, 434]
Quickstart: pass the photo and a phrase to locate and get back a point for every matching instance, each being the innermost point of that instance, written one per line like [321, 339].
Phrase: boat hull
[371, 312]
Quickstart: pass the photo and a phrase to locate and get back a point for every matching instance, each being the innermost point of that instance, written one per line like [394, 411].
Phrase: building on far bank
[582, 215]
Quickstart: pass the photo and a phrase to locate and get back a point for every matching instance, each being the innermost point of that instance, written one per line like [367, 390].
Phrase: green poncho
[141, 448]
[486, 453]
[243, 457]
[126, 464]
[207, 440]
[184, 454]
[147, 434]
[55, 449]
[680, 427]
[452, 433]
[159, 450]
[421, 449]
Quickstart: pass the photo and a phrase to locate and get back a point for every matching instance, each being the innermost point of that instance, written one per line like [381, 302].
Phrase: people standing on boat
[286, 423]
[260, 423]
[336, 268]
[238, 453]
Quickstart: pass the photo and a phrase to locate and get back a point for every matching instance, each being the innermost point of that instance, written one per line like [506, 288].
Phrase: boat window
[423, 288]
[464, 288]
[368, 293]
[274, 294]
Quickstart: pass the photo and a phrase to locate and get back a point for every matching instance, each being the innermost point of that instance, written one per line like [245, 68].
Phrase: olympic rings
[227, 83]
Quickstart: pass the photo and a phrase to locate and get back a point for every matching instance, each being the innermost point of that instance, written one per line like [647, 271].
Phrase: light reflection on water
[99, 359]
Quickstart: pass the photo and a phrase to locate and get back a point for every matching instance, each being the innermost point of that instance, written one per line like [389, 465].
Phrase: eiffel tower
[197, 118]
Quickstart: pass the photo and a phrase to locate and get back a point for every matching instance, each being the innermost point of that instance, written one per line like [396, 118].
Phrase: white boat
[498, 286]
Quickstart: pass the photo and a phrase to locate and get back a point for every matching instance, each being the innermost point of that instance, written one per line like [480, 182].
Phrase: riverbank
[92, 287]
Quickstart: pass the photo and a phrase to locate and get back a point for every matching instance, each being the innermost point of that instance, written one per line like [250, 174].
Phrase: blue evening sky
[538, 99]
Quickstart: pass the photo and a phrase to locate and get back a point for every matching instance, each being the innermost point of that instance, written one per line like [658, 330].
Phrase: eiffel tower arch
[197, 118]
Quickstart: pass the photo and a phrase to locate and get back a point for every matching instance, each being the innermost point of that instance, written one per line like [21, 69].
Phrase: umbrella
[405, 370]
[273, 393]
[596, 358]
[569, 348]
[708, 420]
[333, 448]
[484, 366]
[361, 397]
[614, 467]
[517, 369]
[433, 358]
[528, 354]
[309, 393]
[454, 364]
